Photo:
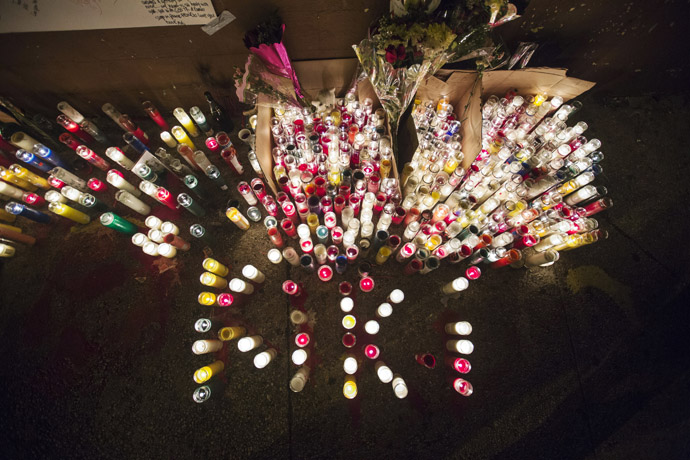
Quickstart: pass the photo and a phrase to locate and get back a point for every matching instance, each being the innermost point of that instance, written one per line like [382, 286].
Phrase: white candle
[249, 343]
[6, 250]
[460, 346]
[252, 273]
[132, 202]
[372, 327]
[155, 235]
[299, 380]
[150, 248]
[169, 227]
[350, 365]
[384, 373]
[237, 285]
[167, 250]
[299, 356]
[384, 310]
[201, 347]
[399, 387]
[275, 256]
[262, 359]
[153, 222]
[116, 180]
[298, 317]
[346, 304]
[459, 328]
[457, 285]
[139, 239]
[168, 139]
[119, 157]
[396, 296]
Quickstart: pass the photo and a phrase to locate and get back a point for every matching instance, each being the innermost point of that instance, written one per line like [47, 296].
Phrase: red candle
[372, 351]
[288, 228]
[275, 237]
[74, 128]
[96, 185]
[225, 299]
[413, 267]
[399, 215]
[32, 198]
[338, 204]
[55, 182]
[302, 339]
[325, 273]
[320, 183]
[176, 241]
[212, 144]
[349, 340]
[462, 365]
[291, 288]
[166, 198]
[155, 115]
[366, 284]
[345, 288]
[472, 273]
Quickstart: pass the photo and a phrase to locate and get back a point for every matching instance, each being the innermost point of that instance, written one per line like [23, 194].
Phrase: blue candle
[33, 160]
[341, 264]
[135, 143]
[48, 155]
[20, 210]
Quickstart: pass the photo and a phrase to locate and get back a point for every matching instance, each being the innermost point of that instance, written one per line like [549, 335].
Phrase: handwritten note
[54, 15]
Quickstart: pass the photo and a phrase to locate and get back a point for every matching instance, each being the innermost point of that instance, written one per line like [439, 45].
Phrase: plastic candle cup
[372, 351]
[112, 220]
[68, 212]
[237, 218]
[371, 327]
[275, 256]
[325, 273]
[350, 365]
[383, 372]
[246, 344]
[462, 365]
[229, 333]
[302, 339]
[254, 213]
[201, 347]
[346, 304]
[349, 321]
[209, 279]
[203, 374]
[350, 388]
[207, 298]
[366, 284]
[462, 346]
[299, 357]
[463, 387]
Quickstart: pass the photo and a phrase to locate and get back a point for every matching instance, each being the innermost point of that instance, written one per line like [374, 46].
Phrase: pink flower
[391, 55]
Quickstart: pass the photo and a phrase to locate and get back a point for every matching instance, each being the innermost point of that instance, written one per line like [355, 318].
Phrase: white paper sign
[53, 15]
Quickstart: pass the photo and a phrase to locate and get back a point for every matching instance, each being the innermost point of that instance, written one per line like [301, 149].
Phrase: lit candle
[366, 284]
[27, 175]
[68, 212]
[302, 339]
[150, 248]
[350, 365]
[463, 387]
[10, 191]
[371, 327]
[252, 273]
[299, 356]
[116, 179]
[372, 351]
[274, 256]
[240, 286]
[459, 328]
[182, 137]
[201, 347]
[169, 227]
[204, 298]
[229, 333]
[226, 300]
[209, 279]
[399, 387]
[153, 222]
[6, 250]
[112, 220]
[167, 250]
[350, 387]
[457, 285]
[185, 121]
[31, 159]
[291, 288]
[155, 115]
[325, 273]
[249, 343]
[346, 304]
[462, 365]
[384, 373]
[384, 310]
[203, 374]
[349, 321]
[168, 139]
[262, 359]
[132, 202]
[472, 273]
[119, 157]
[237, 218]
[460, 346]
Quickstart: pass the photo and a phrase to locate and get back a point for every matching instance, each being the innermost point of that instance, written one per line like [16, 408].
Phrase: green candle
[112, 220]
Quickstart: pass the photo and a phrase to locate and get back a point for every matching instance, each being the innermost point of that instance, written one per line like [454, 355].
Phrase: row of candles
[73, 200]
[215, 277]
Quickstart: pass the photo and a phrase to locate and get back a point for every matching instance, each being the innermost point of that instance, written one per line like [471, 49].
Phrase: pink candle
[366, 284]
[325, 273]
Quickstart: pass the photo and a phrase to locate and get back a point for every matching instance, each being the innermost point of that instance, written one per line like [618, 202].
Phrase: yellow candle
[383, 255]
[6, 216]
[182, 137]
[207, 298]
[203, 374]
[9, 177]
[216, 267]
[237, 218]
[187, 122]
[25, 174]
[68, 212]
[229, 333]
[312, 222]
[168, 139]
[350, 387]
[433, 242]
[385, 168]
[334, 177]
[209, 279]
[10, 227]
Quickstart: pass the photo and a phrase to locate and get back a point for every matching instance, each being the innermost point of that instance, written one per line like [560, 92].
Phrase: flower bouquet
[418, 38]
[268, 76]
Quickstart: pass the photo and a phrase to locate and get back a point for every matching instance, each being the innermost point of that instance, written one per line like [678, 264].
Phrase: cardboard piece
[465, 89]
